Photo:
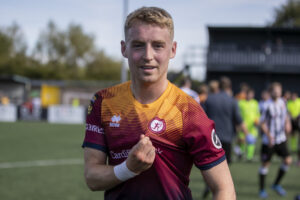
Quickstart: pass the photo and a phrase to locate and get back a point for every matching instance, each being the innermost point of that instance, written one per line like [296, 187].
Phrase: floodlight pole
[124, 65]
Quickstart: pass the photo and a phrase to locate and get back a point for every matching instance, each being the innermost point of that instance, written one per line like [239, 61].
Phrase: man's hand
[288, 126]
[250, 139]
[271, 141]
[141, 156]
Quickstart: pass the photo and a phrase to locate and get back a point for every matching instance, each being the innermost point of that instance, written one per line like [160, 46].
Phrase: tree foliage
[58, 54]
[288, 15]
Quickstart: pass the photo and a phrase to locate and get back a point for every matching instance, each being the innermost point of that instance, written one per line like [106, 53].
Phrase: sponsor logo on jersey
[115, 121]
[215, 140]
[119, 155]
[157, 125]
[94, 128]
[158, 150]
[125, 152]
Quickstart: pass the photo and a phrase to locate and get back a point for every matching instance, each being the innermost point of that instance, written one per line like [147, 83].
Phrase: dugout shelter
[255, 55]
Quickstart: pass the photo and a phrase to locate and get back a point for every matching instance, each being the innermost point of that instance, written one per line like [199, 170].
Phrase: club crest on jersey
[115, 121]
[157, 125]
[90, 108]
[215, 140]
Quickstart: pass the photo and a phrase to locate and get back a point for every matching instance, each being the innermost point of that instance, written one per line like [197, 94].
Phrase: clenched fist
[141, 156]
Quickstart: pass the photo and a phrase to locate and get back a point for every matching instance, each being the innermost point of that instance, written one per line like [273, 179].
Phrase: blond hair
[150, 15]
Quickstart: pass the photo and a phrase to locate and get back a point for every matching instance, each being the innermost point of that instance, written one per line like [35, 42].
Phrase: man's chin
[148, 79]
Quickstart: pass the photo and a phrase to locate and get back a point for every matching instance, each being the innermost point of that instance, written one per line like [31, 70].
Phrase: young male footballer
[143, 136]
[275, 124]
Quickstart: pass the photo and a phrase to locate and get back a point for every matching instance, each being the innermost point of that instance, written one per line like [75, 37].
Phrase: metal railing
[234, 57]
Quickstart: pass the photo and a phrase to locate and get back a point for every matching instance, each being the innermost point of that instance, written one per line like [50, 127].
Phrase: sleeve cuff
[94, 146]
[211, 165]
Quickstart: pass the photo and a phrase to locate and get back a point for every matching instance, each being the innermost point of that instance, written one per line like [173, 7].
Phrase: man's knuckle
[135, 155]
[143, 142]
[140, 156]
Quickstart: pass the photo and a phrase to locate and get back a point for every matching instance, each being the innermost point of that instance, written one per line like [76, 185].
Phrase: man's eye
[137, 45]
[158, 46]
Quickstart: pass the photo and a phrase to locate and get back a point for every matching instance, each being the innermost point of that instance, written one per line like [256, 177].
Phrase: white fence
[66, 114]
[8, 113]
[63, 114]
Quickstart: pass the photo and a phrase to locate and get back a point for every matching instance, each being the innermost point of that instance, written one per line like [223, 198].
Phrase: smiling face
[148, 48]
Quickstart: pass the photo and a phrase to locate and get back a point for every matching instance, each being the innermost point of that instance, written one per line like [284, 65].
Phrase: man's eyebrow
[155, 41]
[136, 41]
[159, 41]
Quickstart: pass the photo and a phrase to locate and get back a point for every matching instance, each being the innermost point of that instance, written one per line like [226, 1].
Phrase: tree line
[68, 54]
[72, 54]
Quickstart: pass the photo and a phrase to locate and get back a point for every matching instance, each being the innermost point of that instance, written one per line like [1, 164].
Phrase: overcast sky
[104, 18]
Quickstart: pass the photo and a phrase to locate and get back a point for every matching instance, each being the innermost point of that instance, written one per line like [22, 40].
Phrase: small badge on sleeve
[215, 139]
[90, 108]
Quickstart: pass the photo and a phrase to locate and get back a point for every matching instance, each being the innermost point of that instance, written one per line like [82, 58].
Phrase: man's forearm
[224, 195]
[100, 177]
[220, 182]
[244, 128]
[265, 129]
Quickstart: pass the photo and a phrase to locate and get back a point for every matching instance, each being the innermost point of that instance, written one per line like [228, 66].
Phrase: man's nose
[148, 53]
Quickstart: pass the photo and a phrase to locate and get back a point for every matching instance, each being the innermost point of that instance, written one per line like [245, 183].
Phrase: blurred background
[55, 55]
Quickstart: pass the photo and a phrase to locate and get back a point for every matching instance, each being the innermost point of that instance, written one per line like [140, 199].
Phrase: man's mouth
[147, 67]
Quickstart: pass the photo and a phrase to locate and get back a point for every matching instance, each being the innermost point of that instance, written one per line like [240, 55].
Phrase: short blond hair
[150, 15]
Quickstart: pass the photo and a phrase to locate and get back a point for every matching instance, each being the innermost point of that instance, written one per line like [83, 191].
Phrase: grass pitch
[32, 141]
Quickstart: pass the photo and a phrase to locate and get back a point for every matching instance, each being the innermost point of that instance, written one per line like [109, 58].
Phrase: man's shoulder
[179, 97]
[114, 91]
[213, 96]
[221, 97]
[251, 102]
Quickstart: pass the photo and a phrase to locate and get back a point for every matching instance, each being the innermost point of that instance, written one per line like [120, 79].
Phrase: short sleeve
[94, 132]
[201, 139]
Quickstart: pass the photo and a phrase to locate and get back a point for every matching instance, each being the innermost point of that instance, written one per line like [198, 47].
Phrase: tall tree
[102, 67]
[58, 54]
[13, 48]
[51, 45]
[72, 54]
[288, 15]
[6, 47]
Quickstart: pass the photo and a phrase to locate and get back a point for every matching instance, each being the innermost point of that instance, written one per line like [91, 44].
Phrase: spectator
[250, 113]
[244, 87]
[223, 109]
[203, 92]
[186, 86]
[293, 106]
[214, 86]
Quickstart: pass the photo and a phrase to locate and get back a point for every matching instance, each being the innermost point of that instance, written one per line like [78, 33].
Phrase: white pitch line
[40, 163]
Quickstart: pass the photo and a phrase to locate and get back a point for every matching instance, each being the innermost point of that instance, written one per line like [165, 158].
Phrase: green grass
[29, 141]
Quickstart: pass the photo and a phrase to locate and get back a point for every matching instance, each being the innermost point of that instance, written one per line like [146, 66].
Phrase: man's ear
[123, 48]
[173, 50]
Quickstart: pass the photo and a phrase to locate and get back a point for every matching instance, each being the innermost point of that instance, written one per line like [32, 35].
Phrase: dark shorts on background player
[267, 152]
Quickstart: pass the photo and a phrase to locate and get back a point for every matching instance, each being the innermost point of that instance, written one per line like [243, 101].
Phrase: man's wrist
[122, 172]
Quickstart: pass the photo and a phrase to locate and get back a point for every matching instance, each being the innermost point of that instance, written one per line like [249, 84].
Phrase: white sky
[104, 18]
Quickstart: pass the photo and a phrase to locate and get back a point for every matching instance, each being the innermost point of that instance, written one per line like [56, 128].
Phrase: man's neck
[146, 93]
[275, 99]
[228, 92]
